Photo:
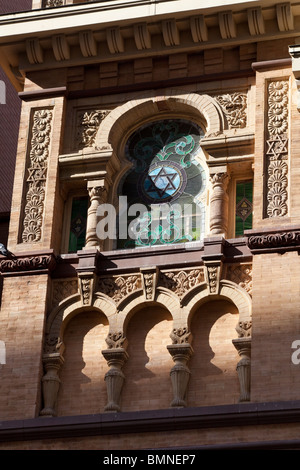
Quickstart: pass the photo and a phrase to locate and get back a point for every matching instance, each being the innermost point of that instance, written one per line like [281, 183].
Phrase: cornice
[116, 30]
[28, 263]
[152, 421]
[273, 240]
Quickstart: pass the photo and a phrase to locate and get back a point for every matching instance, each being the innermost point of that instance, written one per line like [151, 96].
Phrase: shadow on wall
[213, 379]
[83, 390]
[147, 371]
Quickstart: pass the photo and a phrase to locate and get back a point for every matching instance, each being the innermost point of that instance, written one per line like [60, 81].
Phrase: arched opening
[147, 371]
[213, 379]
[83, 390]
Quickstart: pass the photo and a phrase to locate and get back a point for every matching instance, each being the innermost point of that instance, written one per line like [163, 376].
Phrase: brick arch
[228, 291]
[61, 315]
[129, 116]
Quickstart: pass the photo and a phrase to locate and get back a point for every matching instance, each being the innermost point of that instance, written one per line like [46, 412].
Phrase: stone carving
[119, 287]
[51, 382]
[53, 344]
[180, 373]
[89, 125]
[115, 340]
[149, 280]
[242, 275]
[86, 286]
[277, 149]
[234, 106]
[37, 175]
[97, 196]
[274, 241]
[243, 368]
[244, 329]
[212, 272]
[182, 281]
[219, 203]
[53, 3]
[33, 263]
[114, 378]
[180, 335]
[62, 290]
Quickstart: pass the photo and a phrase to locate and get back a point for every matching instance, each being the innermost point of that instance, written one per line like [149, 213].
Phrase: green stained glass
[243, 207]
[78, 224]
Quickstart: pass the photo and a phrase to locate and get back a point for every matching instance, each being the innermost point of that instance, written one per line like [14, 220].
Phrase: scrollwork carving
[89, 125]
[115, 340]
[180, 335]
[182, 281]
[244, 329]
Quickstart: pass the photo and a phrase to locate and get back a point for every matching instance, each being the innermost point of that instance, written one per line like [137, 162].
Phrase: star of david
[167, 178]
[37, 173]
[277, 145]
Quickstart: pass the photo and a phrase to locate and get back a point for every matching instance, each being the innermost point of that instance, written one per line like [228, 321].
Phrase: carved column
[97, 193]
[52, 361]
[116, 356]
[243, 346]
[219, 203]
[181, 352]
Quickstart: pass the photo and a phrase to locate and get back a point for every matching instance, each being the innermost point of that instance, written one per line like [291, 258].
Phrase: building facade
[151, 291]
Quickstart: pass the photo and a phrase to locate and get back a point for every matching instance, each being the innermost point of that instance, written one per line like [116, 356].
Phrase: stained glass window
[243, 207]
[167, 181]
[78, 224]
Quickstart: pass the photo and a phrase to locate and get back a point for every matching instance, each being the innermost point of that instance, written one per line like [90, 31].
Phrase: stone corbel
[212, 272]
[86, 287]
[181, 352]
[149, 281]
[52, 361]
[243, 346]
[116, 356]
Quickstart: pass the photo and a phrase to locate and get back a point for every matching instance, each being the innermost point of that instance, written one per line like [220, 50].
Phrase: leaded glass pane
[78, 224]
[167, 180]
[243, 207]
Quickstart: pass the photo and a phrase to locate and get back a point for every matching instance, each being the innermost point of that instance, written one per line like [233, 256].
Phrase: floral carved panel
[234, 106]
[37, 176]
[277, 148]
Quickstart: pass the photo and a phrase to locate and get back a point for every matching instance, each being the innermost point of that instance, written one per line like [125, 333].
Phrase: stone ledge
[248, 414]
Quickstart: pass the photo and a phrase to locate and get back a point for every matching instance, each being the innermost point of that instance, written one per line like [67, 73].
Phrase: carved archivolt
[37, 175]
[277, 149]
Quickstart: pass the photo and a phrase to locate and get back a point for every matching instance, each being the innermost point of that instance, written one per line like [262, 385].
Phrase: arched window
[164, 191]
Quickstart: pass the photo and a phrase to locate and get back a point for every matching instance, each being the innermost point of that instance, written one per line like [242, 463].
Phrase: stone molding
[28, 264]
[274, 241]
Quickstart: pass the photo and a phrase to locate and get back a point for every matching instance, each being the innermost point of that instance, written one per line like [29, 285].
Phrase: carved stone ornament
[149, 280]
[180, 373]
[219, 203]
[89, 125]
[241, 275]
[36, 176]
[277, 149]
[97, 196]
[53, 3]
[51, 383]
[213, 275]
[180, 335]
[234, 106]
[62, 290]
[244, 329]
[114, 378]
[86, 288]
[53, 344]
[45, 263]
[243, 346]
[180, 282]
[115, 340]
[277, 242]
[118, 287]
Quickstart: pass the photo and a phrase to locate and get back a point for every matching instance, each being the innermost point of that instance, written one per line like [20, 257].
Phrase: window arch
[165, 188]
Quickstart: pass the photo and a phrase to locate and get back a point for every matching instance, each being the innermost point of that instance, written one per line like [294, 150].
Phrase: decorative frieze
[274, 241]
[234, 106]
[53, 3]
[180, 282]
[118, 287]
[34, 264]
[37, 176]
[277, 149]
